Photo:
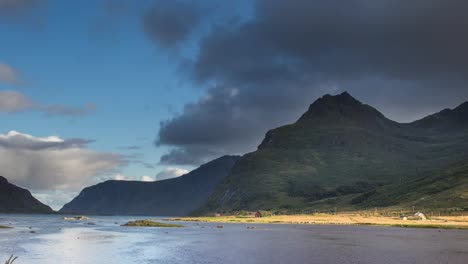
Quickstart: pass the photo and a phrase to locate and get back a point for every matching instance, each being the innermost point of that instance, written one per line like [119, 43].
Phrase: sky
[96, 90]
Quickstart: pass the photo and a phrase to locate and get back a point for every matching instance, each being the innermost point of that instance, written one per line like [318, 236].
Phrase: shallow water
[54, 240]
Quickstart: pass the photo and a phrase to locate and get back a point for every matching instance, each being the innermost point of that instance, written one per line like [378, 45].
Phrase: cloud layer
[14, 102]
[170, 22]
[407, 58]
[169, 173]
[121, 177]
[45, 163]
[17, 140]
[8, 74]
[164, 174]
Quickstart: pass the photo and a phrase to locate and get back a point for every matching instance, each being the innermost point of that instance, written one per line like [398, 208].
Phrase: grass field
[443, 222]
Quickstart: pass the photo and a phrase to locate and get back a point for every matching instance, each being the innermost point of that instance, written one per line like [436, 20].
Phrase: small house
[258, 214]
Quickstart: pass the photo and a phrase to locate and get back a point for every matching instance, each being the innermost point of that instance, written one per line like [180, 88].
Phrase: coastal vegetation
[11, 260]
[150, 223]
[351, 218]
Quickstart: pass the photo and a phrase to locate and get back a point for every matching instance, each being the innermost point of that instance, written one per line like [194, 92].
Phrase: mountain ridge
[170, 197]
[338, 148]
[14, 199]
[445, 119]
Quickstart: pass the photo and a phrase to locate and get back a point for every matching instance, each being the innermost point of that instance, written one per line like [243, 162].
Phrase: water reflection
[56, 241]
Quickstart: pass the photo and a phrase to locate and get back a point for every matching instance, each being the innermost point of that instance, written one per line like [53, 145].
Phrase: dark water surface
[54, 240]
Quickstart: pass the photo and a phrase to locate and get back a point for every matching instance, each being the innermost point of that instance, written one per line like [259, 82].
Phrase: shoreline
[442, 222]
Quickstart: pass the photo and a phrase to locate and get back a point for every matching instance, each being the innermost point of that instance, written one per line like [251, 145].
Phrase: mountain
[446, 120]
[14, 199]
[344, 153]
[171, 197]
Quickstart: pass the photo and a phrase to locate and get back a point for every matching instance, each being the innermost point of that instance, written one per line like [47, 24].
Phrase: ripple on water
[58, 241]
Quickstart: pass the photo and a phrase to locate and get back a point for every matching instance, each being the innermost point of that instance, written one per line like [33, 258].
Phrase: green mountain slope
[444, 189]
[339, 149]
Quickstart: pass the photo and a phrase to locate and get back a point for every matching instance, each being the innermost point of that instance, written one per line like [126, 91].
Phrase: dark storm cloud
[343, 39]
[170, 22]
[188, 156]
[229, 120]
[408, 58]
[12, 8]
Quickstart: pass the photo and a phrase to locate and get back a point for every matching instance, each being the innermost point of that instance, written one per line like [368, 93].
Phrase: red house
[258, 214]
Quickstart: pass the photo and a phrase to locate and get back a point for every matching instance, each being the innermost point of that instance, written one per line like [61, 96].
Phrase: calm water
[54, 240]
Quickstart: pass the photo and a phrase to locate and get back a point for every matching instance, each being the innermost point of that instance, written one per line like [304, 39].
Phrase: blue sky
[72, 54]
[131, 82]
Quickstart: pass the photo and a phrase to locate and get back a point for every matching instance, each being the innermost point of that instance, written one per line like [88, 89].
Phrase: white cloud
[14, 102]
[166, 173]
[8, 74]
[121, 177]
[146, 178]
[16, 140]
[169, 173]
[14, 134]
[44, 163]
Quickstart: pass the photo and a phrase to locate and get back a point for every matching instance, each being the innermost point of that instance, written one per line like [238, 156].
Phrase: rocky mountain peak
[333, 100]
[341, 108]
[3, 180]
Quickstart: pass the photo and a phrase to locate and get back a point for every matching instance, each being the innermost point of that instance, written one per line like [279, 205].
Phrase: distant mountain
[14, 199]
[171, 197]
[344, 153]
[455, 120]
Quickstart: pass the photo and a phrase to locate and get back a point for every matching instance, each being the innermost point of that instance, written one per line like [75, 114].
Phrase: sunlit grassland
[445, 222]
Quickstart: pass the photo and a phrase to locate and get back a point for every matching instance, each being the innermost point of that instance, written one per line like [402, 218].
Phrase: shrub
[243, 213]
[149, 223]
[266, 213]
[11, 260]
